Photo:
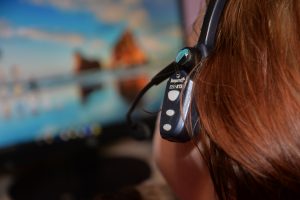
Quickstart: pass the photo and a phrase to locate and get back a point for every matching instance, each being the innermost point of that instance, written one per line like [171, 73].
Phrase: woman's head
[248, 96]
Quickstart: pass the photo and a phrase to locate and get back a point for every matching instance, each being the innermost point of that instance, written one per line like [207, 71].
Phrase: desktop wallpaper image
[68, 67]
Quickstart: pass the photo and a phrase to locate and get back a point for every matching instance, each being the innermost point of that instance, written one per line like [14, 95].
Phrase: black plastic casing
[173, 128]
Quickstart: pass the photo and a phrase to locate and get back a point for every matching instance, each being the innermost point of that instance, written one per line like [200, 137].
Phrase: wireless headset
[177, 102]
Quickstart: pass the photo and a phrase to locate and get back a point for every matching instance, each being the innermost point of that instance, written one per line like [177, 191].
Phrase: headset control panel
[175, 107]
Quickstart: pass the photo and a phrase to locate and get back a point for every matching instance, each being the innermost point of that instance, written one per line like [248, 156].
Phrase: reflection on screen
[68, 68]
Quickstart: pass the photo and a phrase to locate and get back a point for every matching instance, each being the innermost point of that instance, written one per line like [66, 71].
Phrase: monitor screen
[70, 67]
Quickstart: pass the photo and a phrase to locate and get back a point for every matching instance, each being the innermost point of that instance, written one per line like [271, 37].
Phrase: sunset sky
[39, 36]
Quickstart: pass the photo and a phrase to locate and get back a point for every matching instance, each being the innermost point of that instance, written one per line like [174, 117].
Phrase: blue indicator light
[182, 54]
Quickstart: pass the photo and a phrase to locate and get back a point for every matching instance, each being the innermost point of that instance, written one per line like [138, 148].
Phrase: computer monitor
[70, 68]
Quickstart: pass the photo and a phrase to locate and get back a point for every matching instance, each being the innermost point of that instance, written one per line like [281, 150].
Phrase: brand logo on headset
[181, 80]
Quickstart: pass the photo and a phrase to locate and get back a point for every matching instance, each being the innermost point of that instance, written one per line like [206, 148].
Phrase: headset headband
[210, 24]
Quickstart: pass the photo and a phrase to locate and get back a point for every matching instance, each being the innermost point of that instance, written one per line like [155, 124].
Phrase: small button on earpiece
[170, 112]
[173, 95]
[167, 127]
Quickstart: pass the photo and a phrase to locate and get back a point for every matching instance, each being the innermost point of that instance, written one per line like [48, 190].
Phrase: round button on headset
[167, 127]
[173, 95]
[170, 112]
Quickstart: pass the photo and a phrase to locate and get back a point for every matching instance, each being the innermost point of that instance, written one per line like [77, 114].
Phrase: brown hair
[248, 97]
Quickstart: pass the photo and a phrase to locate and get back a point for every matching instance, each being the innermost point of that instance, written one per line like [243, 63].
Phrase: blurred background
[69, 70]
